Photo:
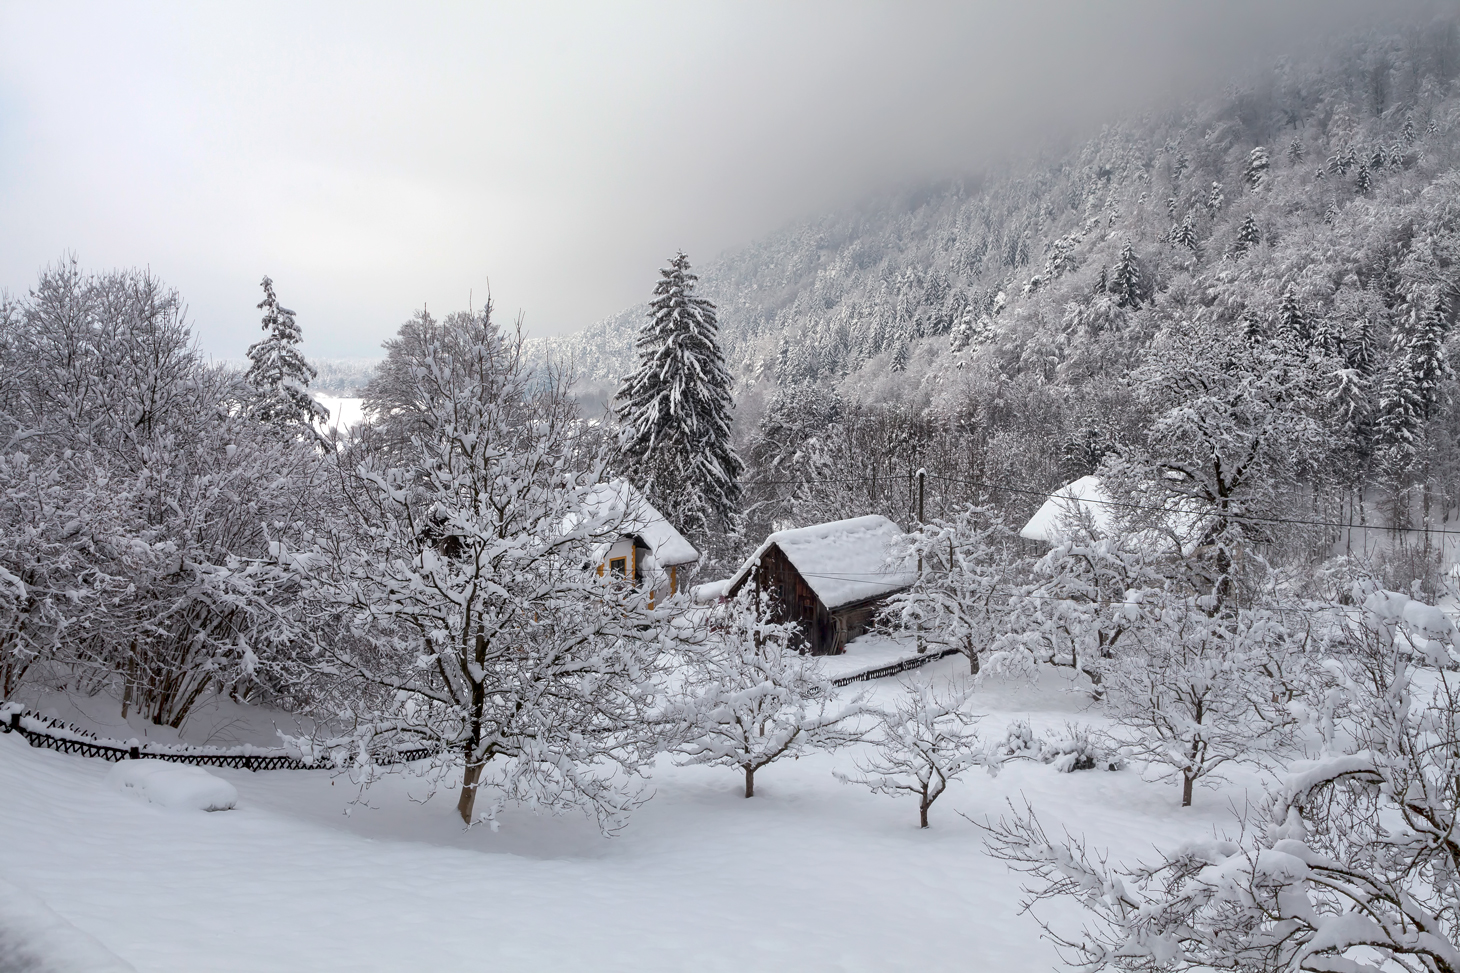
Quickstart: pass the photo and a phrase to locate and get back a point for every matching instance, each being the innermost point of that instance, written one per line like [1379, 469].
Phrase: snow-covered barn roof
[637, 517]
[843, 562]
[1073, 501]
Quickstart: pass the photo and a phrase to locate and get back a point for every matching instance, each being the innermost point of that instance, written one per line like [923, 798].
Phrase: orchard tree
[750, 698]
[961, 598]
[926, 741]
[1349, 864]
[674, 411]
[476, 627]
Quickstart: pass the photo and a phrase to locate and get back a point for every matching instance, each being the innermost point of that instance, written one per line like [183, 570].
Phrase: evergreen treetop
[279, 372]
[674, 411]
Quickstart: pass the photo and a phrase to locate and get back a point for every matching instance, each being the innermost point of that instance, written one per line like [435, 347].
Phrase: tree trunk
[1186, 782]
[749, 781]
[467, 803]
[923, 814]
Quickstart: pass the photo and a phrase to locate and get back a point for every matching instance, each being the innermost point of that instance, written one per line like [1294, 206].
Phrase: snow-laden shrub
[1077, 748]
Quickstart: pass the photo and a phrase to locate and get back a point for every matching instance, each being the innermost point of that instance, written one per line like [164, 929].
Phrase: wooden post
[922, 483]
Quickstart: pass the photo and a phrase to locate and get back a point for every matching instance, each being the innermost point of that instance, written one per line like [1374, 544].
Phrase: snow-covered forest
[381, 694]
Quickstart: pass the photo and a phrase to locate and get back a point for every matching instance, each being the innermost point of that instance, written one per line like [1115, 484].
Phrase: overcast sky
[374, 158]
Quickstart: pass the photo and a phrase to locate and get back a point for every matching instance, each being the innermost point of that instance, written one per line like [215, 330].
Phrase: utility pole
[922, 483]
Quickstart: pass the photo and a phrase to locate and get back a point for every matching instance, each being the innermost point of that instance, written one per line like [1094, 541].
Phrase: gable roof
[843, 562]
[637, 517]
[1085, 496]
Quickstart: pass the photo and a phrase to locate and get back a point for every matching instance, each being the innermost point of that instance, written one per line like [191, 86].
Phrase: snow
[34, 939]
[1083, 497]
[173, 785]
[810, 875]
[870, 651]
[844, 561]
[345, 411]
[640, 519]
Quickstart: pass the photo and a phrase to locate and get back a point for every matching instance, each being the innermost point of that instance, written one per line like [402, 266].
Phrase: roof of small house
[1071, 502]
[637, 517]
[844, 561]
[1086, 500]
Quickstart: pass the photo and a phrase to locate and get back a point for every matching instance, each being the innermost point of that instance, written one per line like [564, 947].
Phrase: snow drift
[173, 785]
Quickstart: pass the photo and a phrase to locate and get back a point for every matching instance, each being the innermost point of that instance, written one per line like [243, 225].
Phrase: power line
[874, 579]
[1026, 491]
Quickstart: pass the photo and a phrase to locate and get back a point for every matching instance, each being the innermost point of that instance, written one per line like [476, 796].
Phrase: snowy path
[809, 875]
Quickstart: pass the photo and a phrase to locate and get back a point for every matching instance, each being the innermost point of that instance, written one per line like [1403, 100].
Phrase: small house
[648, 550]
[829, 579]
[1085, 505]
[1081, 501]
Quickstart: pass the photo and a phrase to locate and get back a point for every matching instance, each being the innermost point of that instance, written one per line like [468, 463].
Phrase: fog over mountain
[374, 160]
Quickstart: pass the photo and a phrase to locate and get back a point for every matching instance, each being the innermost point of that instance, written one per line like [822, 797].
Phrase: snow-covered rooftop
[1069, 504]
[637, 517]
[844, 561]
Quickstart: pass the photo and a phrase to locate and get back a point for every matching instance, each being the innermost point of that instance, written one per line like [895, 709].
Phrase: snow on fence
[882, 672]
[52, 734]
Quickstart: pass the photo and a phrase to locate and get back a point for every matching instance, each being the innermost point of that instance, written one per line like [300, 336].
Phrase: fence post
[134, 752]
[15, 719]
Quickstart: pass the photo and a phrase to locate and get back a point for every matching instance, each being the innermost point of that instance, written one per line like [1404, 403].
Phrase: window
[619, 566]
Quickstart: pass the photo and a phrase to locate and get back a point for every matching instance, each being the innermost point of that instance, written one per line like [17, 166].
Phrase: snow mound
[34, 939]
[173, 785]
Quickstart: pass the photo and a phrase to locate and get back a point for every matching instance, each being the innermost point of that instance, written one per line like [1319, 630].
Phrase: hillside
[1344, 140]
[987, 328]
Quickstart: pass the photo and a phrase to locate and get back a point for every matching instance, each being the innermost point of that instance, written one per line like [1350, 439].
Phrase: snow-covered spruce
[279, 373]
[674, 411]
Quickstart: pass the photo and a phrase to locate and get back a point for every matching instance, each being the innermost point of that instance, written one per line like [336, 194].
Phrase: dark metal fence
[52, 734]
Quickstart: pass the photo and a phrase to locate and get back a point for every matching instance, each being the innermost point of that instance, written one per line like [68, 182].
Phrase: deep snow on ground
[811, 874]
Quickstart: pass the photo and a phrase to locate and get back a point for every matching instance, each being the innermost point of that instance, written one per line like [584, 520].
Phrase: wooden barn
[829, 578]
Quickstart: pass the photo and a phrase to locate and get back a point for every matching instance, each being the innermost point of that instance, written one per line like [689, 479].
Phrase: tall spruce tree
[674, 410]
[278, 371]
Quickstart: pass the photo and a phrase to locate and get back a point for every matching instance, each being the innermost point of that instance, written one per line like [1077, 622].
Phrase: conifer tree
[1293, 322]
[1257, 165]
[1125, 280]
[278, 372]
[1185, 234]
[1248, 235]
[1359, 349]
[674, 410]
[1295, 150]
[1364, 182]
[1215, 198]
[1424, 353]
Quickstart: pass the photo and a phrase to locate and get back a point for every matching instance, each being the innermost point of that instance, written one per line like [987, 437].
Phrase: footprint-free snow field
[810, 874]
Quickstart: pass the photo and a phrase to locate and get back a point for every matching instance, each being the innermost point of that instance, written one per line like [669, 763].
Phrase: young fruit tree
[1350, 864]
[749, 698]
[1194, 692]
[925, 741]
[1073, 608]
[960, 599]
[478, 628]
[674, 411]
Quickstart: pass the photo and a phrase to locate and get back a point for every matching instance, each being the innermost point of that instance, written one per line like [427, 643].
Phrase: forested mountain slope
[991, 326]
